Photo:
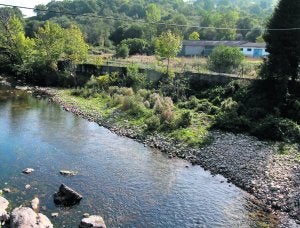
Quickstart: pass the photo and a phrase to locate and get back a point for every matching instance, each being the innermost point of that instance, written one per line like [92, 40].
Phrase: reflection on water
[128, 184]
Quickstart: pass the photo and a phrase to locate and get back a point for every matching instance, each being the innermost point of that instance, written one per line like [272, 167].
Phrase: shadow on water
[128, 184]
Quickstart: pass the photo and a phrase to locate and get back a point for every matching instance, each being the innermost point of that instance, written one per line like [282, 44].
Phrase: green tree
[75, 49]
[153, 16]
[168, 45]
[153, 13]
[225, 59]
[50, 44]
[18, 47]
[194, 36]
[228, 19]
[283, 45]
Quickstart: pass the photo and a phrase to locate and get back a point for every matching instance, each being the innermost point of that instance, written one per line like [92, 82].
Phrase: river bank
[253, 165]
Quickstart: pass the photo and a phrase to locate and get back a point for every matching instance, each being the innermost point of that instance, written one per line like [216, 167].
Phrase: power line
[146, 22]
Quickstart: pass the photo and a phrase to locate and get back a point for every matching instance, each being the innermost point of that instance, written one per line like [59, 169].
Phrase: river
[128, 184]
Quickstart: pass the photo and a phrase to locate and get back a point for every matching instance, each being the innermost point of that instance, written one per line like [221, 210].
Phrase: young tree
[283, 45]
[194, 36]
[168, 45]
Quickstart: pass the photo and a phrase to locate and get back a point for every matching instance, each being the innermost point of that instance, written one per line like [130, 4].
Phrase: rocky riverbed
[253, 165]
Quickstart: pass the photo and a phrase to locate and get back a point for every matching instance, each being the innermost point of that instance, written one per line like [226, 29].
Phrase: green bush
[229, 105]
[153, 123]
[207, 107]
[120, 90]
[275, 128]
[122, 51]
[83, 92]
[185, 119]
[192, 103]
[145, 94]
[136, 46]
[225, 59]
[133, 106]
[135, 79]
[230, 121]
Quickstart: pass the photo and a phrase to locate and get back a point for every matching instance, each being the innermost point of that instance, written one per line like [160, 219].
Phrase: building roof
[222, 42]
[255, 45]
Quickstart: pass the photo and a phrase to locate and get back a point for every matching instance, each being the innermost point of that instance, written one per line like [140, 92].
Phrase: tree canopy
[283, 44]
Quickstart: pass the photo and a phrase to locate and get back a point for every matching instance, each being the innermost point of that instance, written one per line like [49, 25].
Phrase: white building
[205, 47]
[254, 50]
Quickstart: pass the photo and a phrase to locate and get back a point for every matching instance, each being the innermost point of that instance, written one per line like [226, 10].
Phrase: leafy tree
[283, 45]
[40, 10]
[13, 40]
[153, 13]
[168, 45]
[228, 19]
[194, 36]
[225, 59]
[50, 44]
[75, 49]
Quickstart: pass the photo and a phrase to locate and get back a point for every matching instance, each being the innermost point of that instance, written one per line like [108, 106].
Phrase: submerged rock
[6, 190]
[68, 173]
[54, 215]
[27, 186]
[66, 196]
[26, 217]
[28, 170]
[3, 214]
[92, 221]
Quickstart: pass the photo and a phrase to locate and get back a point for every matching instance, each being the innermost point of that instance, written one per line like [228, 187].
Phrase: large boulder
[92, 221]
[66, 196]
[3, 214]
[25, 217]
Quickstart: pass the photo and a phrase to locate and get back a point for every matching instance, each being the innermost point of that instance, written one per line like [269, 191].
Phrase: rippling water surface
[128, 184]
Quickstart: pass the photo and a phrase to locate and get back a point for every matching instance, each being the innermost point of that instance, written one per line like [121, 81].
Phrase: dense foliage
[93, 18]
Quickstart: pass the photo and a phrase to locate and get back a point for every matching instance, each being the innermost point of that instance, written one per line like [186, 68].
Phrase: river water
[128, 184]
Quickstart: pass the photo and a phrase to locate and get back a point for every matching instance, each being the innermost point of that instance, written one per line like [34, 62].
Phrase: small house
[205, 47]
[254, 50]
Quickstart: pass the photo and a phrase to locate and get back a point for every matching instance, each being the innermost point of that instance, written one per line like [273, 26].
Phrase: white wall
[249, 51]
